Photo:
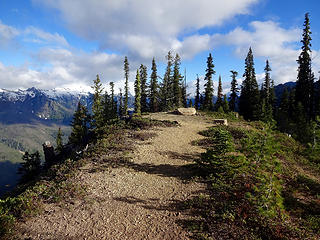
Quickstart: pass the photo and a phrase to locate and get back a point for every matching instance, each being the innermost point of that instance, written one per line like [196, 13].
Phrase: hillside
[160, 183]
[140, 199]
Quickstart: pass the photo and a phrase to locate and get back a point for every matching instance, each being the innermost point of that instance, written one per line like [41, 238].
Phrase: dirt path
[140, 201]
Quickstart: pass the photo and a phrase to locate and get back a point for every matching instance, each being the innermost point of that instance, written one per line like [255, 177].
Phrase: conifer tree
[201, 101]
[177, 90]
[120, 103]
[208, 95]
[184, 89]
[266, 96]
[113, 103]
[317, 98]
[305, 80]
[107, 109]
[234, 91]
[219, 96]
[143, 77]
[283, 119]
[80, 128]
[59, 140]
[126, 88]
[197, 97]
[166, 86]
[137, 91]
[97, 106]
[249, 98]
[153, 93]
[30, 166]
[225, 104]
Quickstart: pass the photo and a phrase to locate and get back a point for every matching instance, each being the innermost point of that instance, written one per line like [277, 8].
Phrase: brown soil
[142, 200]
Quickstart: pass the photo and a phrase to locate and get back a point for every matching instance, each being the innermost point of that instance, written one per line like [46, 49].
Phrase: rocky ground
[143, 199]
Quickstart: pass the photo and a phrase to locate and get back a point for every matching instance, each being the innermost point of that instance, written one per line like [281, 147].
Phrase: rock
[221, 122]
[187, 111]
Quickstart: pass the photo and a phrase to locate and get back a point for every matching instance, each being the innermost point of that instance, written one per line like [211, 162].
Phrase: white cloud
[145, 28]
[68, 69]
[40, 36]
[268, 41]
[7, 33]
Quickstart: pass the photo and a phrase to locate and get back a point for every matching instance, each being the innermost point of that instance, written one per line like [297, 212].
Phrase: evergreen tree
[197, 97]
[59, 140]
[120, 103]
[317, 98]
[208, 95]
[305, 80]
[166, 86]
[225, 104]
[234, 91]
[177, 90]
[30, 166]
[153, 94]
[267, 96]
[283, 118]
[97, 106]
[201, 101]
[137, 90]
[79, 124]
[184, 89]
[220, 95]
[107, 109]
[113, 102]
[249, 98]
[143, 77]
[126, 88]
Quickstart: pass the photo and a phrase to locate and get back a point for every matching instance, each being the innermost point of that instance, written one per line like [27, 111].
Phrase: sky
[65, 43]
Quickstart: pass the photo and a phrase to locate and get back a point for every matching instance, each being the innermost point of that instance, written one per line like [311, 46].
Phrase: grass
[58, 185]
[262, 187]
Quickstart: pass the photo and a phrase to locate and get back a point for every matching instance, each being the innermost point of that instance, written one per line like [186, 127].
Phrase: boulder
[187, 111]
[221, 122]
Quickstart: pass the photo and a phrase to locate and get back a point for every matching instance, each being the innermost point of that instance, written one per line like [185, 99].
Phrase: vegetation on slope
[261, 182]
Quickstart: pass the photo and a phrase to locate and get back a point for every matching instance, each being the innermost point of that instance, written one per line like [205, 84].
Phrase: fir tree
[30, 166]
[113, 103]
[184, 89]
[283, 119]
[201, 101]
[97, 106]
[120, 103]
[79, 124]
[225, 104]
[266, 96]
[126, 88]
[305, 80]
[249, 98]
[177, 93]
[317, 98]
[166, 86]
[107, 110]
[234, 91]
[219, 96]
[143, 77]
[59, 140]
[153, 93]
[208, 95]
[137, 90]
[197, 97]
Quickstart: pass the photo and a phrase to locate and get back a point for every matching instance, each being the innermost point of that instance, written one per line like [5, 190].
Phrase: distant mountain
[25, 106]
[279, 89]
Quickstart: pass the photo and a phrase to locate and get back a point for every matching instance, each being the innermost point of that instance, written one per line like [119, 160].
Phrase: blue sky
[65, 43]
